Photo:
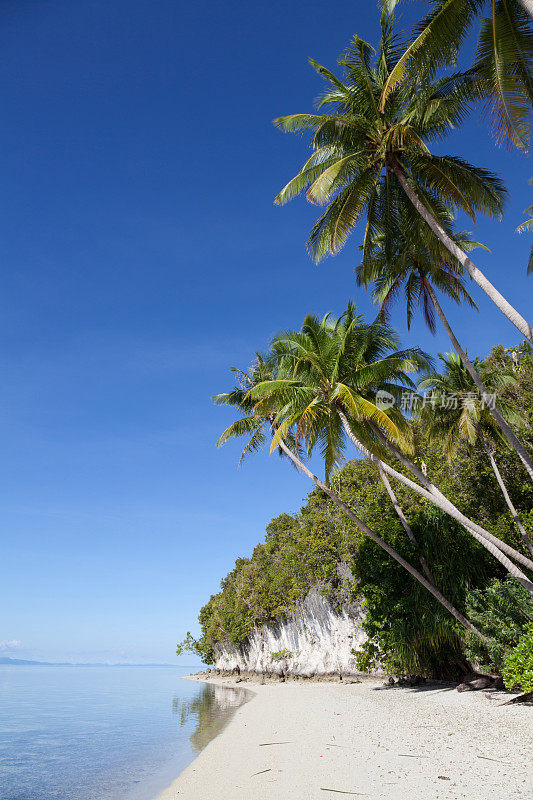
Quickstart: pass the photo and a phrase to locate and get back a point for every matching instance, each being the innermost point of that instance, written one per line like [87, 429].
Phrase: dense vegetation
[433, 526]
[408, 630]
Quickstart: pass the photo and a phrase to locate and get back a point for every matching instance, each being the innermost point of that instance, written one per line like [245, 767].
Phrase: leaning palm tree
[324, 377]
[457, 414]
[368, 142]
[502, 68]
[380, 367]
[258, 424]
[403, 257]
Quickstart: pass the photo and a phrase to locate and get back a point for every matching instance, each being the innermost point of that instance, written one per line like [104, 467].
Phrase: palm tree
[462, 416]
[405, 256]
[386, 371]
[370, 142]
[528, 226]
[502, 62]
[324, 376]
[255, 424]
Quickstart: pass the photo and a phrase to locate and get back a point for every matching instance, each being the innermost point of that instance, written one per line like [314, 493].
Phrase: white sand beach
[301, 741]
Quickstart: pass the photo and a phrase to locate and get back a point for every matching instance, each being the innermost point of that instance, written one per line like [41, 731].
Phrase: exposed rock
[314, 640]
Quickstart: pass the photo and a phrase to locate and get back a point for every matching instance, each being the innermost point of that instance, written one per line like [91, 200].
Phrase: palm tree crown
[331, 365]
[455, 411]
[252, 425]
[401, 256]
[366, 137]
[503, 60]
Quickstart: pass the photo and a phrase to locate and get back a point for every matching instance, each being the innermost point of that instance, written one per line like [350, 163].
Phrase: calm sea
[102, 733]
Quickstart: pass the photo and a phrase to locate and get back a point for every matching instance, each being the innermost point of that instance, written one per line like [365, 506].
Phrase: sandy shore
[301, 741]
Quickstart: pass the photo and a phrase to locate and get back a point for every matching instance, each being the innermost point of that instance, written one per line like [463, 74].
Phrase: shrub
[518, 667]
[409, 631]
[279, 655]
[501, 612]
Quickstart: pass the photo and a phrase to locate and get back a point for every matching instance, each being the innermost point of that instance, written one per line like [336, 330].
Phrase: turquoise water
[102, 733]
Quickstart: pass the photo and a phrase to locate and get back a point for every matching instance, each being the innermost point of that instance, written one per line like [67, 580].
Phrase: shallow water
[103, 733]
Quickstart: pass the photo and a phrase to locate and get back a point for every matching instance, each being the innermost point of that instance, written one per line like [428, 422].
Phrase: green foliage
[331, 366]
[518, 668]
[370, 131]
[191, 645]
[298, 552]
[501, 612]
[409, 631]
[279, 655]
[501, 72]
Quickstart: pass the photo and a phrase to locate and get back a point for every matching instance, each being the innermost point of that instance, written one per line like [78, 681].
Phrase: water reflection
[211, 709]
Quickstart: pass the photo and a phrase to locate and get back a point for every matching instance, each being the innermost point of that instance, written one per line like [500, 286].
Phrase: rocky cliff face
[314, 640]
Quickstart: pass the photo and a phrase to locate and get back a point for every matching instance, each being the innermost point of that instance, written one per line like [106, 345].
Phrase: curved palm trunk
[506, 429]
[505, 307]
[438, 499]
[403, 520]
[468, 524]
[503, 487]
[384, 546]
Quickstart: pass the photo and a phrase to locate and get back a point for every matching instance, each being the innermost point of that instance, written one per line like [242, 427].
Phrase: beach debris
[406, 680]
[488, 758]
[268, 744]
[412, 755]
[261, 772]
[342, 791]
[443, 778]
[478, 682]
[527, 697]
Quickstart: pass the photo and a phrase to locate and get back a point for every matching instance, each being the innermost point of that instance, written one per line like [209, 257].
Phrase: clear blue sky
[142, 256]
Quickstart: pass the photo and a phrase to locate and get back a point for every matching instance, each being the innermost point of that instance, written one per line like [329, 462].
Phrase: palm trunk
[505, 307]
[503, 487]
[434, 492]
[383, 544]
[527, 5]
[508, 432]
[403, 520]
[483, 537]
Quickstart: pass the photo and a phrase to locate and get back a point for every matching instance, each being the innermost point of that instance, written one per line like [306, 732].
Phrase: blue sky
[142, 256]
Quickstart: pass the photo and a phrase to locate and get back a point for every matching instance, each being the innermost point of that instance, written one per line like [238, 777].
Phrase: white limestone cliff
[315, 639]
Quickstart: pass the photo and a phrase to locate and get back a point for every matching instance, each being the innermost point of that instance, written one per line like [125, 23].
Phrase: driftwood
[475, 682]
[527, 697]
[483, 682]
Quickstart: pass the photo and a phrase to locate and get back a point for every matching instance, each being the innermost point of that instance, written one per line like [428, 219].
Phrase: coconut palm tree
[257, 424]
[322, 391]
[368, 143]
[405, 257]
[502, 61]
[461, 416]
[386, 371]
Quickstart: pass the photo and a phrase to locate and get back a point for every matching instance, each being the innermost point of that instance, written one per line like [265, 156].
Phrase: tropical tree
[380, 367]
[502, 65]
[376, 135]
[456, 414]
[323, 378]
[258, 423]
[403, 257]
